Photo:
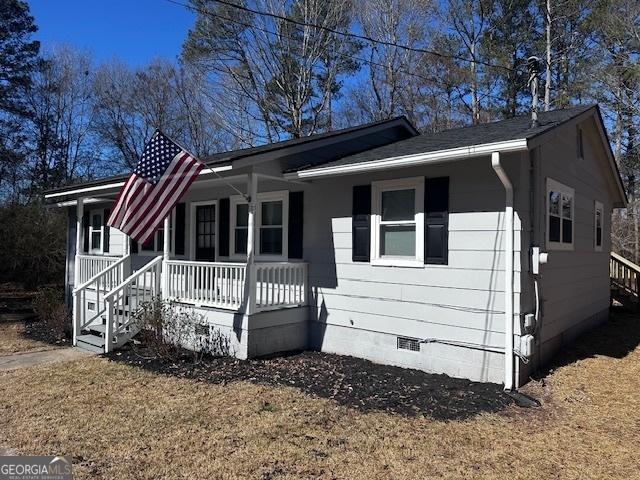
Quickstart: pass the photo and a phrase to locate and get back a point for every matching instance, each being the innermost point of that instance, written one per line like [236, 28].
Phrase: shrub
[33, 244]
[174, 333]
[48, 304]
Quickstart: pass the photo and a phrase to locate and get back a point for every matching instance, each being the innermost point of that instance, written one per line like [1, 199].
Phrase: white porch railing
[280, 284]
[217, 284]
[92, 265]
[99, 284]
[222, 285]
[124, 300]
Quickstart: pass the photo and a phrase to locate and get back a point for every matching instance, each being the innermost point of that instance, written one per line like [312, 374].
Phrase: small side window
[560, 213]
[598, 219]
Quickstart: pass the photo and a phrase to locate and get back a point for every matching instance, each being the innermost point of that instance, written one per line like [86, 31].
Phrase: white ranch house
[424, 251]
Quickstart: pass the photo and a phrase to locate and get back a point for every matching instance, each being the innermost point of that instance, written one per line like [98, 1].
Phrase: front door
[205, 233]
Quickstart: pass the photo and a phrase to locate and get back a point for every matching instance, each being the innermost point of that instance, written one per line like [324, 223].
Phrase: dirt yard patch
[19, 329]
[122, 421]
[18, 337]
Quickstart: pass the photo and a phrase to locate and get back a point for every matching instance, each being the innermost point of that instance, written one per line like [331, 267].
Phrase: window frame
[598, 207]
[377, 189]
[158, 247]
[93, 230]
[234, 201]
[563, 190]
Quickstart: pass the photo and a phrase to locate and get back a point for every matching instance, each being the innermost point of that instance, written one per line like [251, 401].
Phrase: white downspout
[508, 271]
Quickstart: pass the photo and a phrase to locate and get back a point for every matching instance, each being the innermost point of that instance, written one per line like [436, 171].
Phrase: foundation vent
[412, 344]
[202, 330]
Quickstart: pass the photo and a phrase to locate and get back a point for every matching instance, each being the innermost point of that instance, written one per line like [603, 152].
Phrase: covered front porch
[204, 257]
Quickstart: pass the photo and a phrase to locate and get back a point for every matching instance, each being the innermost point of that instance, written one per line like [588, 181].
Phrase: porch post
[252, 188]
[165, 258]
[77, 304]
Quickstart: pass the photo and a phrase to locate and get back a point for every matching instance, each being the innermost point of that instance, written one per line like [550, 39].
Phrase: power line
[344, 55]
[338, 32]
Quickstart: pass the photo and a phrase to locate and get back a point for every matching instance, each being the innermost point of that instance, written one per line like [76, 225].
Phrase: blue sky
[137, 31]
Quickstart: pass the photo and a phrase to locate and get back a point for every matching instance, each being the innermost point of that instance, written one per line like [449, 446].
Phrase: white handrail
[133, 276]
[120, 301]
[103, 272]
[100, 282]
[628, 263]
[91, 265]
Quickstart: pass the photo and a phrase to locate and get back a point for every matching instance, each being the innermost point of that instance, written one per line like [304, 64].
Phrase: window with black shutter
[361, 223]
[296, 221]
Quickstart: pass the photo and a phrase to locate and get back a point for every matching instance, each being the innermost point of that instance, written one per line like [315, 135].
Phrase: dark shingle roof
[247, 152]
[510, 129]
[228, 157]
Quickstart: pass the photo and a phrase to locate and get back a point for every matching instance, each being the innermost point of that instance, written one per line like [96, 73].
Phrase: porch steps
[90, 342]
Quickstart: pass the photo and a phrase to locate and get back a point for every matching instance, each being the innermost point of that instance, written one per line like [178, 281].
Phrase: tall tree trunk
[547, 83]
[475, 106]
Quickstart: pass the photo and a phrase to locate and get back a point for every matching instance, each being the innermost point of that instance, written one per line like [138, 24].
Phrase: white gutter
[508, 271]
[415, 159]
[204, 171]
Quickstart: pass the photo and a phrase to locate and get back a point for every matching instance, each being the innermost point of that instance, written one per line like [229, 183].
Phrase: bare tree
[279, 76]
[60, 104]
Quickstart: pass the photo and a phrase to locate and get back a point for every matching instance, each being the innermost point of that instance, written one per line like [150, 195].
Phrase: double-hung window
[271, 219]
[598, 218]
[560, 215]
[155, 244]
[96, 231]
[397, 230]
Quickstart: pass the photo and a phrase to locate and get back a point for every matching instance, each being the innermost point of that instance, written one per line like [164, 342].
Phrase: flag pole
[210, 169]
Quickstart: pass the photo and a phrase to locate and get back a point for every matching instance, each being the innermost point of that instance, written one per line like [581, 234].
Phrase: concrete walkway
[29, 359]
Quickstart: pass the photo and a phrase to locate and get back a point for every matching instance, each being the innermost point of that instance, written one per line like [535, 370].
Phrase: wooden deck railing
[624, 275]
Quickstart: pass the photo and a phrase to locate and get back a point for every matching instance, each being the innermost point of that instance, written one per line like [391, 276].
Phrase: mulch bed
[352, 382]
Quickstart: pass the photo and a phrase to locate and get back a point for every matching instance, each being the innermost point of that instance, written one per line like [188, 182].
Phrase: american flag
[161, 177]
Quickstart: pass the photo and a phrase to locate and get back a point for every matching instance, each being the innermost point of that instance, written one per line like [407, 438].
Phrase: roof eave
[439, 156]
[54, 196]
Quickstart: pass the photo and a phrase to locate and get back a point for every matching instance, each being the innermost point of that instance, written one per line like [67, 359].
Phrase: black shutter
[296, 212]
[133, 246]
[85, 232]
[105, 216]
[436, 224]
[361, 223]
[180, 222]
[223, 228]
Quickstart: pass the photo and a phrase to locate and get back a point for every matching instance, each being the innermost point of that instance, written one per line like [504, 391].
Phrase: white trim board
[204, 171]
[415, 159]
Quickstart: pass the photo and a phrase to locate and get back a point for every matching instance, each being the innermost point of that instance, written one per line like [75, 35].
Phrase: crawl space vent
[405, 343]
[202, 330]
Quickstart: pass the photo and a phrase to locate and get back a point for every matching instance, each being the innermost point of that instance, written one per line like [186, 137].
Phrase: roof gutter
[413, 160]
